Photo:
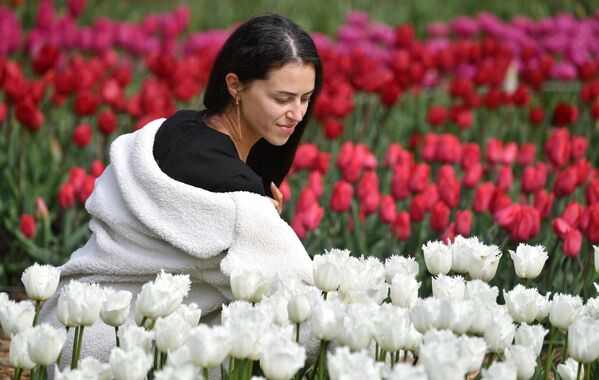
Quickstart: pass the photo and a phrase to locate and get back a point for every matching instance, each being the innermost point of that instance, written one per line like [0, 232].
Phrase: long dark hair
[257, 46]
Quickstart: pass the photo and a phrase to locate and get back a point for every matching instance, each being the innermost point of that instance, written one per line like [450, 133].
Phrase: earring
[238, 117]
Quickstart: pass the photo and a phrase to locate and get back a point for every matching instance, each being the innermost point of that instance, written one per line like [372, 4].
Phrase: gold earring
[238, 117]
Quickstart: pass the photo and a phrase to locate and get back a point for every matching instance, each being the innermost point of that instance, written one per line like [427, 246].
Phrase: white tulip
[425, 313]
[299, 307]
[18, 354]
[208, 346]
[391, 327]
[449, 287]
[596, 257]
[569, 370]
[363, 280]
[481, 316]
[481, 292]
[132, 364]
[403, 371]
[406, 266]
[461, 251]
[132, 336]
[525, 360]
[525, 304]
[442, 360]
[456, 315]
[437, 257]
[326, 319]
[583, 339]
[186, 372]
[327, 269]
[500, 332]
[164, 295]
[246, 325]
[528, 260]
[3, 299]
[357, 329]
[276, 305]
[79, 303]
[170, 332]
[249, 286]
[473, 349]
[191, 313]
[591, 308]
[181, 356]
[484, 262]
[413, 339]
[564, 309]
[16, 317]
[531, 336]
[115, 307]
[94, 368]
[281, 359]
[40, 281]
[434, 336]
[404, 290]
[500, 371]
[45, 344]
[344, 365]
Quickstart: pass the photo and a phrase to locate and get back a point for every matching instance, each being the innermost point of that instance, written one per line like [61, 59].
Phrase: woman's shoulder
[189, 151]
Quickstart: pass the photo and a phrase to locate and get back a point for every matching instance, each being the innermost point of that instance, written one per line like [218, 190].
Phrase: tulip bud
[524, 358]
[531, 336]
[115, 307]
[41, 210]
[326, 274]
[564, 309]
[404, 290]
[569, 370]
[171, 331]
[16, 317]
[437, 257]
[528, 260]
[299, 307]
[281, 359]
[18, 354]
[131, 364]
[209, 346]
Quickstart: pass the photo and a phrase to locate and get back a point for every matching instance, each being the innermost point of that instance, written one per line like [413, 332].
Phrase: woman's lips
[287, 128]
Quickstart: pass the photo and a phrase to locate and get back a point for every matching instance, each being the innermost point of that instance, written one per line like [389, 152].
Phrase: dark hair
[257, 46]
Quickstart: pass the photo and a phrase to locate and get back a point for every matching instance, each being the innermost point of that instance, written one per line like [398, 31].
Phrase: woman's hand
[278, 197]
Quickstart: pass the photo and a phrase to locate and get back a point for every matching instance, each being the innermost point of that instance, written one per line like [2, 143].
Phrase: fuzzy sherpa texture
[144, 221]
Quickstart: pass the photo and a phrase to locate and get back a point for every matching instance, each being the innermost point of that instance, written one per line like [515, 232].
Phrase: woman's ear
[233, 85]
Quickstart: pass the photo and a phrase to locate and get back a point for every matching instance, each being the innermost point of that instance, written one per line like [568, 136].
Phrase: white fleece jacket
[143, 221]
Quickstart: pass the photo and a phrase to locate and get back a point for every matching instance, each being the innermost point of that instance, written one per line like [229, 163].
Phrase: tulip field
[447, 189]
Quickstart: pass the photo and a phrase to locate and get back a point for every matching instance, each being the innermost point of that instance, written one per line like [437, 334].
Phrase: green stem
[297, 333]
[250, 368]
[587, 371]
[579, 370]
[405, 355]
[549, 353]
[38, 307]
[143, 322]
[392, 360]
[116, 334]
[324, 295]
[155, 358]
[79, 344]
[376, 352]
[74, 355]
[565, 355]
[163, 357]
[321, 359]
[17, 374]
[205, 372]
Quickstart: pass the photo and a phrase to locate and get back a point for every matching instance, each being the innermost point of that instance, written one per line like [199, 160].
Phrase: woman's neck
[242, 137]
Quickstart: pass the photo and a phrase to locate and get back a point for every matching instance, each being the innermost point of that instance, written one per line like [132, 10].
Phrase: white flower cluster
[370, 310]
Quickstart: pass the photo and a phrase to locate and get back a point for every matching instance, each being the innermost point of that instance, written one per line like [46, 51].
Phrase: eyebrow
[293, 93]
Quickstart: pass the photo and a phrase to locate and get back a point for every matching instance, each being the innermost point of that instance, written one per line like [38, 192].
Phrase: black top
[188, 150]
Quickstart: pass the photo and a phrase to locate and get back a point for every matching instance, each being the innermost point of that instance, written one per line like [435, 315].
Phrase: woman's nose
[295, 113]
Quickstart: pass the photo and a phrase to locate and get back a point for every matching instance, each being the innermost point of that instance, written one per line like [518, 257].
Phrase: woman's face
[272, 107]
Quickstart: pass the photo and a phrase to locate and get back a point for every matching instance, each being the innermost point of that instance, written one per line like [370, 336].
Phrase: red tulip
[472, 176]
[543, 202]
[315, 183]
[508, 153]
[97, 168]
[106, 122]
[565, 114]
[418, 207]
[560, 227]
[493, 151]
[399, 182]
[401, 227]
[449, 149]
[332, 128]
[565, 184]
[429, 147]
[368, 184]
[536, 116]
[305, 156]
[86, 189]
[419, 178]
[29, 115]
[505, 178]
[27, 226]
[592, 191]
[463, 222]
[579, 147]
[521, 97]
[322, 162]
[589, 222]
[312, 217]
[82, 135]
[404, 35]
[558, 147]
[370, 202]
[76, 177]
[572, 243]
[392, 154]
[448, 235]
[436, 115]
[526, 154]
[499, 201]
[483, 196]
[583, 171]
[388, 209]
[463, 118]
[341, 196]
[285, 190]
[66, 195]
[306, 200]
[572, 213]
[522, 222]
[86, 103]
[449, 192]
[470, 155]
[439, 216]
[297, 224]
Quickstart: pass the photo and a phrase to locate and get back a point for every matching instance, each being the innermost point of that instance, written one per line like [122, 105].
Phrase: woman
[189, 194]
